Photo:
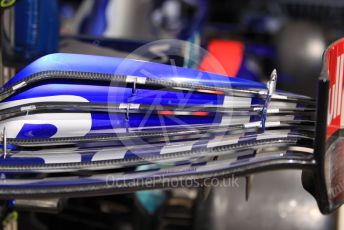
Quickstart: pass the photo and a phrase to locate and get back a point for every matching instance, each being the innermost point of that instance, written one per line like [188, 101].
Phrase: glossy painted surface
[45, 125]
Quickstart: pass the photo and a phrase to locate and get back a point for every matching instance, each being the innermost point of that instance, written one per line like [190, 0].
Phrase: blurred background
[248, 38]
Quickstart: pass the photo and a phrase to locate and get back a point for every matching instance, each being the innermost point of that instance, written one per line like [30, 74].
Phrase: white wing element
[67, 124]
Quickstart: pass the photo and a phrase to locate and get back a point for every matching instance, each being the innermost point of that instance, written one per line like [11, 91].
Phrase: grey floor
[277, 201]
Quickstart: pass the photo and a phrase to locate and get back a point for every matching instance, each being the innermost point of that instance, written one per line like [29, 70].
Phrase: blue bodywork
[98, 92]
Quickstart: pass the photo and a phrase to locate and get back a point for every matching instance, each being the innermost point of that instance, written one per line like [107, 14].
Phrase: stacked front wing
[76, 125]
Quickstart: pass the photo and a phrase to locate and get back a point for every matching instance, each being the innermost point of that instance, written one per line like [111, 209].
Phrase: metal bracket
[271, 86]
[134, 87]
[4, 141]
[127, 112]
[248, 186]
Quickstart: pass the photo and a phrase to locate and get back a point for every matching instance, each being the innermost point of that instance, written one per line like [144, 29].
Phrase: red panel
[335, 68]
[200, 113]
[166, 112]
[225, 57]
